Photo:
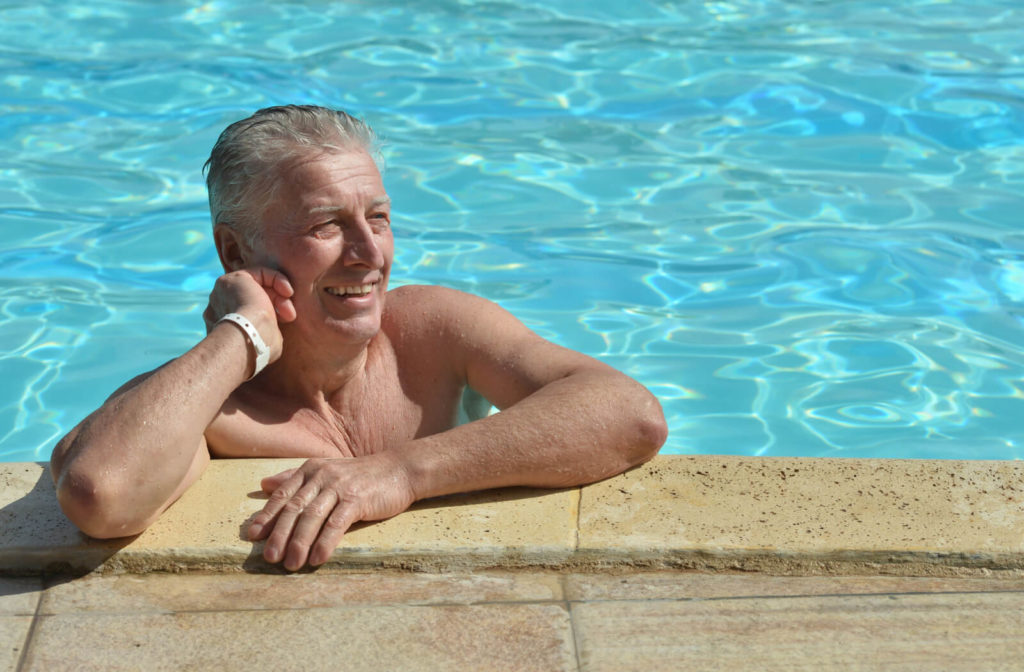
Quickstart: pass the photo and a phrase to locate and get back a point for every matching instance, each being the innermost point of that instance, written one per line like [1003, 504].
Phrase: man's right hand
[262, 295]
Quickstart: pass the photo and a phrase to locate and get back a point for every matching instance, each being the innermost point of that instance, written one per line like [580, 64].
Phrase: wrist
[233, 344]
[260, 353]
[418, 466]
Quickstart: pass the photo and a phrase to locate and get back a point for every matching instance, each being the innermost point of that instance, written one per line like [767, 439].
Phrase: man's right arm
[122, 466]
[129, 460]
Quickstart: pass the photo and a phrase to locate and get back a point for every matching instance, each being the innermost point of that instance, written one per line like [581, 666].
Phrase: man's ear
[231, 247]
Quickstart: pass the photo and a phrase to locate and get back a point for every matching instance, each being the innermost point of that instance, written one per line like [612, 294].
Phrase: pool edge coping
[809, 516]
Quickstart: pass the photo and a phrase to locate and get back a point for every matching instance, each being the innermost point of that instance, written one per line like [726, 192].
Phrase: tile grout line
[30, 635]
[579, 513]
[572, 622]
[576, 642]
[804, 596]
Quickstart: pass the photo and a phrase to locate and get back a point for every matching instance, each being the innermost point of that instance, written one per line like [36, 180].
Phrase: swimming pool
[798, 223]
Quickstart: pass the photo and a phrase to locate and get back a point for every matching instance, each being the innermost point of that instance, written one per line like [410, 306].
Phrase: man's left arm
[565, 419]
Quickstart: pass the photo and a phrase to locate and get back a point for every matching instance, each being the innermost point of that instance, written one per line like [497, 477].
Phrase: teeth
[358, 290]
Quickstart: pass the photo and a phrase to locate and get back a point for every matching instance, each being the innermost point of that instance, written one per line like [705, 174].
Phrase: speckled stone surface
[205, 528]
[13, 633]
[781, 515]
[512, 637]
[635, 585]
[520, 620]
[173, 593]
[19, 595]
[34, 534]
[866, 632]
[18, 600]
[809, 514]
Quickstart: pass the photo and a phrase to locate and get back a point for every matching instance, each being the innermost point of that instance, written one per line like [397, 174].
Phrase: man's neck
[313, 376]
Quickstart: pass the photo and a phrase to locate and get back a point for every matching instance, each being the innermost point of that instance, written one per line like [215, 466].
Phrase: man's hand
[312, 507]
[262, 295]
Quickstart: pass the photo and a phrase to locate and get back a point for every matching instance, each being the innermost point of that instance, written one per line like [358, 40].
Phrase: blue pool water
[798, 223]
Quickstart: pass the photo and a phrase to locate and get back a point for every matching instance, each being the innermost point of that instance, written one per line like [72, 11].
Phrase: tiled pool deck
[702, 562]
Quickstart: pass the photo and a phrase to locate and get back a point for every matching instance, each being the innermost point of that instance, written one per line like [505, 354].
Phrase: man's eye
[324, 229]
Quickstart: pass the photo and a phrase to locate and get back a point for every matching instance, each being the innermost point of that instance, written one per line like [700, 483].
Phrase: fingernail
[254, 531]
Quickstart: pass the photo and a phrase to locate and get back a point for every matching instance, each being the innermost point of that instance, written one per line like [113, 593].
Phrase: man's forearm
[128, 460]
[576, 430]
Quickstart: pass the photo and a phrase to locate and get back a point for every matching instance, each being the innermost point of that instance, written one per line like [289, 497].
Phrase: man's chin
[354, 329]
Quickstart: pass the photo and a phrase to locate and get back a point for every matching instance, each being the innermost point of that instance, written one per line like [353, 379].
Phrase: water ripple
[797, 222]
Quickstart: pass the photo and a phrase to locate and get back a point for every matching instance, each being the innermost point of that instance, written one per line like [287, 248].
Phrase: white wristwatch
[262, 351]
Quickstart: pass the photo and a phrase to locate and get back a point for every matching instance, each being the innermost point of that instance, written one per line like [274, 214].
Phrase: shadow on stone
[35, 536]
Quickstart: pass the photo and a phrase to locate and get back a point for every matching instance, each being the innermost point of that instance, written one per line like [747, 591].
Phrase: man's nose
[362, 246]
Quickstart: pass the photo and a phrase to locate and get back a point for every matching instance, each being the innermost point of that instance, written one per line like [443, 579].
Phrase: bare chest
[252, 426]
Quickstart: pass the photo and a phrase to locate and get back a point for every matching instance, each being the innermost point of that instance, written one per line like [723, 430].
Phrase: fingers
[271, 483]
[270, 279]
[262, 295]
[307, 518]
[281, 492]
[306, 529]
[286, 518]
[209, 318]
[284, 308]
[243, 292]
[279, 289]
[311, 508]
[334, 528]
[298, 511]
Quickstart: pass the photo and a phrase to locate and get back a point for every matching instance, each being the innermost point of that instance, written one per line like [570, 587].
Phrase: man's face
[329, 230]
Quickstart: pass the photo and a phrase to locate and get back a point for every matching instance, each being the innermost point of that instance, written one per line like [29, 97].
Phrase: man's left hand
[311, 507]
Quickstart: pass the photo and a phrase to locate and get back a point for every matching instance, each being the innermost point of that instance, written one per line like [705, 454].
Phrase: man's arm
[565, 420]
[122, 466]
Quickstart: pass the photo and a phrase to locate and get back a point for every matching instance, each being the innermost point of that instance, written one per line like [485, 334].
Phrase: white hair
[241, 173]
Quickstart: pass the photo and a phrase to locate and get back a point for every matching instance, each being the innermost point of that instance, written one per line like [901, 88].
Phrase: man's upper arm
[65, 448]
[61, 451]
[498, 355]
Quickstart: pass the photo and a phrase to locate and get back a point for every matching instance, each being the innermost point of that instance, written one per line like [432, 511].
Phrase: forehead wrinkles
[310, 185]
[376, 202]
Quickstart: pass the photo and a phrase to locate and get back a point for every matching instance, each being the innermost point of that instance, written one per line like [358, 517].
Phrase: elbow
[650, 432]
[94, 507]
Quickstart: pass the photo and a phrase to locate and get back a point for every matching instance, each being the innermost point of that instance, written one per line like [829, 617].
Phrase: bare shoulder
[487, 346]
[411, 296]
[452, 324]
[430, 307]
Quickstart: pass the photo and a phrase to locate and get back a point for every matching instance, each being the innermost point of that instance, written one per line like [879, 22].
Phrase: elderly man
[307, 354]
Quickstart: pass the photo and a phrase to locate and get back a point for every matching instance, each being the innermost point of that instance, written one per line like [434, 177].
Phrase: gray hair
[241, 173]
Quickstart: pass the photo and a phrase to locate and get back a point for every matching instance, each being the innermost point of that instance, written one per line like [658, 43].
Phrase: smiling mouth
[352, 290]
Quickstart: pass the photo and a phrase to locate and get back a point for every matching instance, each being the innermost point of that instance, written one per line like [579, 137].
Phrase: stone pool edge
[808, 516]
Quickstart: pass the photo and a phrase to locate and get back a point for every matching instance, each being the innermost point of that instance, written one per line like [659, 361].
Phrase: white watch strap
[262, 351]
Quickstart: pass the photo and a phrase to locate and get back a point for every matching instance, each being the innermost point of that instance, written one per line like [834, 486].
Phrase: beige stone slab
[516, 637]
[168, 593]
[908, 632]
[762, 513]
[19, 595]
[780, 515]
[514, 526]
[33, 531]
[674, 585]
[13, 635]
[205, 528]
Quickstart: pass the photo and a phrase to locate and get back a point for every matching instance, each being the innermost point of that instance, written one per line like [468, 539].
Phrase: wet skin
[363, 381]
